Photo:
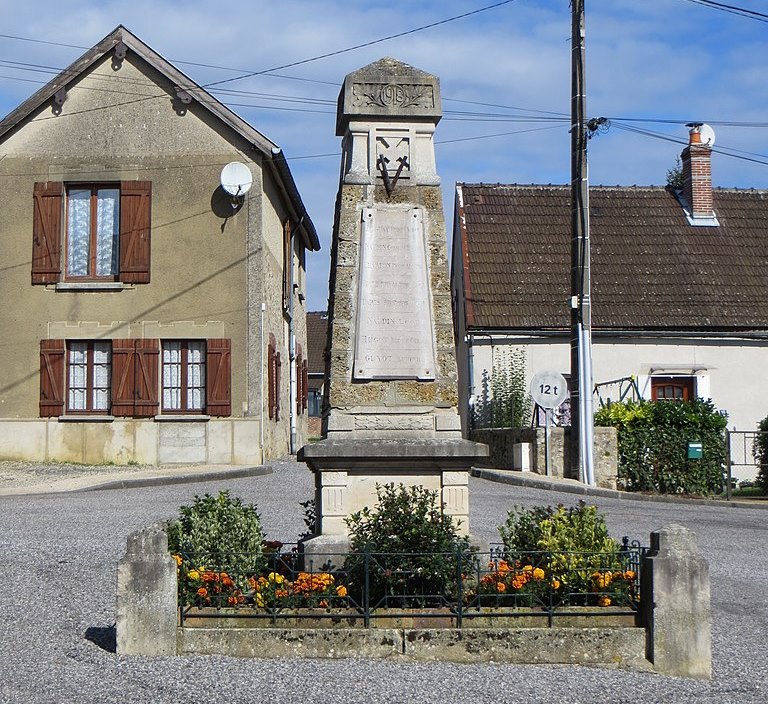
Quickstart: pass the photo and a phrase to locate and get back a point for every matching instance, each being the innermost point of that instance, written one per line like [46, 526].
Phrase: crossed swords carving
[390, 183]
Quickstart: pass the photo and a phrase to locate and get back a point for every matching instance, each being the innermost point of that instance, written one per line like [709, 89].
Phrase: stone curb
[565, 486]
[99, 484]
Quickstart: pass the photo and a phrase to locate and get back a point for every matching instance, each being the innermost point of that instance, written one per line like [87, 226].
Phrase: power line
[733, 9]
[363, 45]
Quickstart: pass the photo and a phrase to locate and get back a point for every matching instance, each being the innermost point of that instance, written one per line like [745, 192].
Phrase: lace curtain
[79, 231]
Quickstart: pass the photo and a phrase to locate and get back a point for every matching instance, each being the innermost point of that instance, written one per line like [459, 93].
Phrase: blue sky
[502, 71]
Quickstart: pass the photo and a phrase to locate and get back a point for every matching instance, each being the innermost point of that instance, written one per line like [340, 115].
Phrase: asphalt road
[57, 605]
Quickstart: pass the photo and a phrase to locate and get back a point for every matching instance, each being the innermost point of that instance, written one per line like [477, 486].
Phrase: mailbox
[695, 450]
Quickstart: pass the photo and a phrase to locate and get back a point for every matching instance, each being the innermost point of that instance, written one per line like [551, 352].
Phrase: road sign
[549, 389]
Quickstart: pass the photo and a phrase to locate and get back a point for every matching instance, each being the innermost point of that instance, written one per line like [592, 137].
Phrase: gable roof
[651, 269]
[273, 155]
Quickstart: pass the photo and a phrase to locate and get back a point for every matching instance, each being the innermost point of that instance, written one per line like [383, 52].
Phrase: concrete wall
[501, 444]
[120, 441]
[209, 274]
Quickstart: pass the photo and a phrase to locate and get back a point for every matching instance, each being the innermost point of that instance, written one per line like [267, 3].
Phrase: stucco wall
[732, 370]
[208, 277]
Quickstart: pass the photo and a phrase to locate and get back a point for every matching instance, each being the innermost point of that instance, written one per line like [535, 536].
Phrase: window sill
[182, 418]
[85, 418]
[91, 286]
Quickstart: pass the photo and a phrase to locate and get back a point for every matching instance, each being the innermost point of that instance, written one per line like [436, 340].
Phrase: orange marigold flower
[604, 601]
[629, 575]
[503, 566]
[178, 559]
[501, 587]
[538, 574]
[341, 590]
[528, 568]
[202, 591]
[555, 584]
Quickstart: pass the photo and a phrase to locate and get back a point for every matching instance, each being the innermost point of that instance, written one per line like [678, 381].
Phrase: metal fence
[457, 587]
[744, 456]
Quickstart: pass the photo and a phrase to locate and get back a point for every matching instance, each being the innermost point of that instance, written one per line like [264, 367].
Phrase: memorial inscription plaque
[393, 338]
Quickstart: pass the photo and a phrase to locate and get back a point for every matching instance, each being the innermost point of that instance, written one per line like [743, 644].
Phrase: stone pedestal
[675, 601]
[391, 372]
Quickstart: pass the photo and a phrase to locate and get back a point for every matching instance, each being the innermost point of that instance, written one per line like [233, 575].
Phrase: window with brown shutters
[299, 380]
[91, 232]
[304, 385]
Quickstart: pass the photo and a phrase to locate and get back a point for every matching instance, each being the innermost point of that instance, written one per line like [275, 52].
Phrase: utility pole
[582, 424]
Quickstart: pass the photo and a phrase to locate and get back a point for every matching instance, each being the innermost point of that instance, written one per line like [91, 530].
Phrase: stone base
[347, 472]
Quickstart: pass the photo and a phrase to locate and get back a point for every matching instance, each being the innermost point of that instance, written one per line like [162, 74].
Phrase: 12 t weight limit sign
[549, 389]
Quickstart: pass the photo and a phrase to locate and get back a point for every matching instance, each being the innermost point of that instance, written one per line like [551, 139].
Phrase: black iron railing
[453, 588]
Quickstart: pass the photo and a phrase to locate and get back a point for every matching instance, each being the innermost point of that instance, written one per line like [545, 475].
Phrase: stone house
[679, 288]
[149, 316]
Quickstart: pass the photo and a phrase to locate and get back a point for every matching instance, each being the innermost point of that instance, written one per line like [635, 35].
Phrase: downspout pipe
[292, 342]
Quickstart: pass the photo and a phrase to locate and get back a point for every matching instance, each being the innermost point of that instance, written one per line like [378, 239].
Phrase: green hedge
[653, 445]
[761, 454]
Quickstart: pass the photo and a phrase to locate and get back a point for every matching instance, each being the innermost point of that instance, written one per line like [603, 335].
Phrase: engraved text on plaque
[393, 338]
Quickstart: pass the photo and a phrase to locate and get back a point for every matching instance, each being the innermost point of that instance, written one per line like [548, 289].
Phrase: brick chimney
[697, 176]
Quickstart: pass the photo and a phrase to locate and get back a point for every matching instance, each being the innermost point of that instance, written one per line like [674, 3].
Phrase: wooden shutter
[52, 368]
[304, 385]
[147, 362]
[218, 374]
[123, 377]
[135, 365]
[271, 369]
[46, 232]
[278, 365]
[135, 230]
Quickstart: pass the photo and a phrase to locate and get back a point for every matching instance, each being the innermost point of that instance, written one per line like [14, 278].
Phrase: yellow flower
[178, 559]
[341, 590]
[604, 601]
[259, 600]
[275, 578]
[193, 575]
[528, 568]
[629, 575]
[538, 574]
[602, 579]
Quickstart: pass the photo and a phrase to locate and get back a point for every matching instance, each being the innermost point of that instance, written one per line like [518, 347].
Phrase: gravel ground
[58, 598]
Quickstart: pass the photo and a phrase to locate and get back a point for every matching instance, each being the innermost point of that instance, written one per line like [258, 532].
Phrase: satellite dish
[707, 135]
[236, 179]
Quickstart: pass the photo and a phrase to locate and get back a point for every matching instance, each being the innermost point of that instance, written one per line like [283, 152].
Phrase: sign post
[548, 390]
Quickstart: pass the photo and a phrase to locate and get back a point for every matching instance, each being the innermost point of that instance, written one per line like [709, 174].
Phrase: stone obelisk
[391, 372]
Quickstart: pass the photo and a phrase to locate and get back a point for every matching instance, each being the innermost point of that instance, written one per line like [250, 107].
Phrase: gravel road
[57, 607]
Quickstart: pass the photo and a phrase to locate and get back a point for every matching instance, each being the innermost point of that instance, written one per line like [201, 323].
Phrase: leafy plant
[411, 548]
[760, 453]
[653, 441]
[220, 532]
[567, 547]
[504, 401]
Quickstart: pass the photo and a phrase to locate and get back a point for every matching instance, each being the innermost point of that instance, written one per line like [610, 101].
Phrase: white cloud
[662, 59]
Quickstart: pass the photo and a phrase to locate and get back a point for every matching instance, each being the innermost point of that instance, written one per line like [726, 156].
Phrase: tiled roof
[317, 329]
[651, 269]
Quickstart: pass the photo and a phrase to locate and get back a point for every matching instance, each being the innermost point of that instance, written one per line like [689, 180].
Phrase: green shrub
[410, 545]
[653, 445]
[221, 533]
[760, 452]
